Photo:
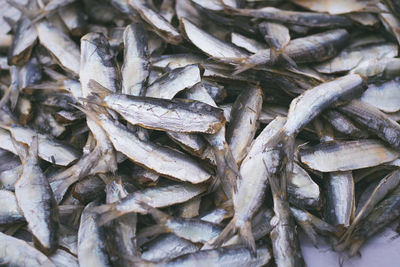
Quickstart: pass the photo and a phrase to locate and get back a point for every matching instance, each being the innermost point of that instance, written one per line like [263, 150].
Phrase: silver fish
[243, 122]
[91, 240]
[247, 198]
[346, 155]
[374, 120]
[167, 247]
[211, 45]
[157, 197]
[135, 69]
[169, 84]
[35, 199]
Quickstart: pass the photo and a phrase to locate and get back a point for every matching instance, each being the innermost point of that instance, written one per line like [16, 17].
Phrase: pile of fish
[196, 133]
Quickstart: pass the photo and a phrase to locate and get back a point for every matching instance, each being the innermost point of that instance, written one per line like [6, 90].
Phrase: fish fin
[158, 215]
[355, 247]
[99, 89]
[54, 74]
[242, 67]
[227, 233]
[309, 231]
[14, 94]
[88, 113]
[106, 213]
[247, 237]
[153, 230]
[21, 149]
[287, 59]
[6, 96]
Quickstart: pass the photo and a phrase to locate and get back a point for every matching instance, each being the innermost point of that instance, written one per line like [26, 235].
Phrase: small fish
[169, 84]
[159, 24]
[35, 199]
[346, 155]
[135, 69]
[167, 247]
[276, 35]
[313, 48]
[243, 122]
[91, 240]
[211, 45]
[168, 115]
[157, 197]
[250, 189]
[374, 120]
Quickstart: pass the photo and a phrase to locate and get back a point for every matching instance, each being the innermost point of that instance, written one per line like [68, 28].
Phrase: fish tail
[247, 237]
[228, 232]
[142, 236]
[355, 247]
[243, 67]
[106, 213]
[309, 231]
[60, 186]
[159, 216]
[99, 89]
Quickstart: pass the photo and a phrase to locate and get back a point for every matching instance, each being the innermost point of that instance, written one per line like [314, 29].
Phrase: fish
[159, 24]
[345, 155]
[91, 240]
[276, 35]
[382, 95]
[157, 197]
[163, 114]
[374, 120]
[167, 247]
[135, 69]
[250, 189]
[243, 122]
[36, 200]
[313, 48]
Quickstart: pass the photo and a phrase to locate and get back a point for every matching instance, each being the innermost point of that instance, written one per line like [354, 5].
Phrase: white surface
[383, 250]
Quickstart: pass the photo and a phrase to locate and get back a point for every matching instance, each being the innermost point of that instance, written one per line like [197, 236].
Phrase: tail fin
[99, 89]
[243, 67]
[158, 215]
[21, 149]
[246, 235]
[106, 213]
[227, 233]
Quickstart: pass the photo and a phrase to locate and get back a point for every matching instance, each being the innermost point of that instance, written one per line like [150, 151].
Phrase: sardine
[346, 155]
[35, 199]
[243, 122]
[91, 240]
[167, 247]
[135, 69]
[374, 120]
[157, 197]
